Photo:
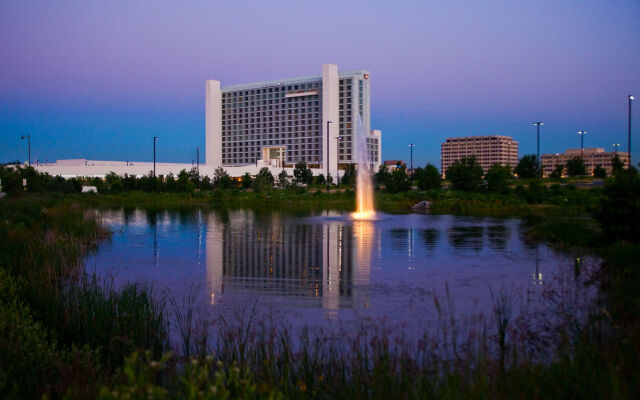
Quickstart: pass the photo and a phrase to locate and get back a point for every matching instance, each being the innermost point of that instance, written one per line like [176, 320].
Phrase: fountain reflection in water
[364, 183]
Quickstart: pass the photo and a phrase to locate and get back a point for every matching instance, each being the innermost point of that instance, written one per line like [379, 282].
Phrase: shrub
[264, 181]
[283, 180]
[465, 174]
[619, 209]
[302, 173]
[246, 180]
[527, 167]
[576, 167]
[428, 178]
[398, 181]
[498, 178]
[557, 172]
[599, 172]
[382, 175]
[319, 180]
[349, 177]
[221, 179]
[26, 356]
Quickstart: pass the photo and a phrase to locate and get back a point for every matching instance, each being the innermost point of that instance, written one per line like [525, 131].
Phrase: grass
[72, 325]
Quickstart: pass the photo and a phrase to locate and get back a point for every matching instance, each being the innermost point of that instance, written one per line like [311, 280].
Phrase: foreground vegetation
[67, 333]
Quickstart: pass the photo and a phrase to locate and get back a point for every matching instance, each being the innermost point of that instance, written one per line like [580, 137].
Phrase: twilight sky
[98, 80]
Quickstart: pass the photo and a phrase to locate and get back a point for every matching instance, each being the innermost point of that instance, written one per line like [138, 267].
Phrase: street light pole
[29, 145]
[615, 147]
[198, 160]
[154, 155]
[411, 176]
[537, 124]
[328, 125]
[582, 133]
[629, 137]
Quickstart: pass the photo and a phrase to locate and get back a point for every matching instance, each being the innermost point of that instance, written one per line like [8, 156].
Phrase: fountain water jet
[364, 183]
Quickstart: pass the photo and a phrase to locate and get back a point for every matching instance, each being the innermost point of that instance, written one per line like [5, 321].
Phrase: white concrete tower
[213, 135]
[330, 112]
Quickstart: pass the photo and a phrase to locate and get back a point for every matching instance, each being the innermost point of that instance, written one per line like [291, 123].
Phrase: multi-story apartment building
[591, 158]
[487, 150]
[313, 118]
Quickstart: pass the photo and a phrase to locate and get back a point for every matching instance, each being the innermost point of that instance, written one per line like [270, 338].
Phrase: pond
[324, 269]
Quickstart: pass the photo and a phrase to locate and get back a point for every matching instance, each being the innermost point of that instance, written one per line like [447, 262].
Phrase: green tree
[527, 167]
[427, 178]
[221, 179]
[382, 175]
[264, 181]
[114, 182]
[619, 209]
[170, 183]
[246, 180]
[617, 165]
[576, 167]
[465, 174]
[206, 183]
[398, 181]
[194, 176]
[349, 176]
[599, 172]
[283, 179]
[497, 178]
[184, 183]
[557, 172]
[302, 173]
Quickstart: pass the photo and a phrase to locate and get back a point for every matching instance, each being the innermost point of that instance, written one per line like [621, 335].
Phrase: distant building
[487, 150]
[393, 164]
[591, 158]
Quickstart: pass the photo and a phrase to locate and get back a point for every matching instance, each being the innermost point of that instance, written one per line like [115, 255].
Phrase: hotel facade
[278, 123]
[487, 150]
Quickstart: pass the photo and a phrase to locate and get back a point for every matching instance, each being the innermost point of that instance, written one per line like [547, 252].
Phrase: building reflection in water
[327, 263]
[499, 237]
[467, 237]
[430, 238]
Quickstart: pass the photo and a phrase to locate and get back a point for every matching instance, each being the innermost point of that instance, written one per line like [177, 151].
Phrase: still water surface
[324, 269]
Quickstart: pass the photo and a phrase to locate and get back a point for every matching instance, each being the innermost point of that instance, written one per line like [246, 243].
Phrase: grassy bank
[70, 334]
[63, 331]
[522, 203]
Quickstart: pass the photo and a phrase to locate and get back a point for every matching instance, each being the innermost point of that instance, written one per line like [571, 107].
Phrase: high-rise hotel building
[285, 121]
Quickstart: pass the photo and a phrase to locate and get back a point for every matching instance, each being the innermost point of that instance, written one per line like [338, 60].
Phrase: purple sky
[100, 80]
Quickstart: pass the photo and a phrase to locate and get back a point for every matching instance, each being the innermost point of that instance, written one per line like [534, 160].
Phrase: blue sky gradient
[98, 80]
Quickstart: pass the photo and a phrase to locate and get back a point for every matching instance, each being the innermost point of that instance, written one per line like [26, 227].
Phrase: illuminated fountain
[364, 183]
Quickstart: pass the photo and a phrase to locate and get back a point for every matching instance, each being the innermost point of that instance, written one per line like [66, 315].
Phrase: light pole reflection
[537, 275]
